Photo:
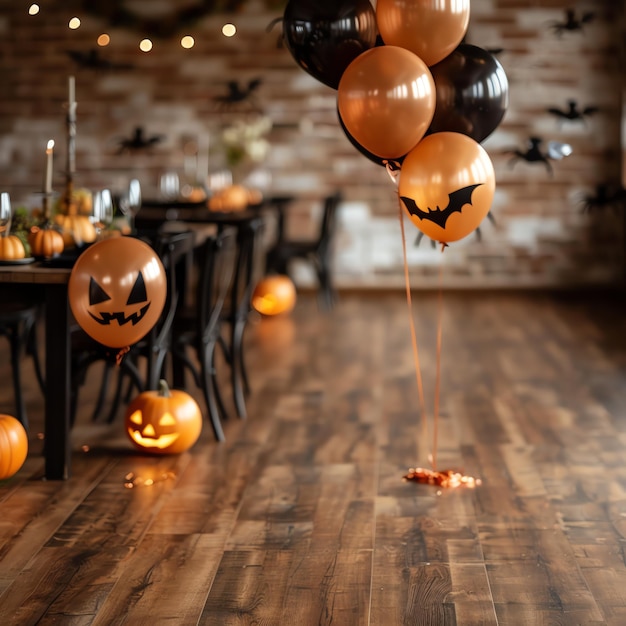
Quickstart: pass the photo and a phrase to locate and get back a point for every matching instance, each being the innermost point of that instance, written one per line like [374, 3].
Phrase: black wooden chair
[317, 251]
[197, 328]
[173, 250]
[19, 313]
[236, 315]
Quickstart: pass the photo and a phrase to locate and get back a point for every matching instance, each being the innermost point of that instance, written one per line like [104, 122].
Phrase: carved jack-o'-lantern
[164, 421]
[117, 290]
[274, 295]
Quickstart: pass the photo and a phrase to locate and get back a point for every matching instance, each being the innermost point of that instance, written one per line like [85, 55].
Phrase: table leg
[57, 410]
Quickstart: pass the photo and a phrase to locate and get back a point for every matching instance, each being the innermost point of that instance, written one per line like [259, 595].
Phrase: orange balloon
[432, 29]
[446, 186]
[386, 100]
[117, 290]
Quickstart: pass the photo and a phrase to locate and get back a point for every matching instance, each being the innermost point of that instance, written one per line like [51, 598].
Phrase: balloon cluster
[411, 96]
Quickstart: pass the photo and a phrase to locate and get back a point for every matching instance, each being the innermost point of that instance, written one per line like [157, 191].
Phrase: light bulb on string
[187, 42]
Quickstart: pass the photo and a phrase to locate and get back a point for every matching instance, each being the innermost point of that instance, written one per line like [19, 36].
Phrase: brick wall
[542, 236]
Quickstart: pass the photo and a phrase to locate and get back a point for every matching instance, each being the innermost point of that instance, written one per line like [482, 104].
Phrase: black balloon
[472, 93]
[395, 164]
[325, 36]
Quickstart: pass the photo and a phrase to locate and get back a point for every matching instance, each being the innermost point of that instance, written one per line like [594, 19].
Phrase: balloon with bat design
[431, 29]
[447, 185]
[117, 290]
[325, 36]
[472, 93]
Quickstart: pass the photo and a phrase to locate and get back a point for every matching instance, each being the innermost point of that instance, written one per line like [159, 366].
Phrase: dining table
[54, 283]
[53, 276]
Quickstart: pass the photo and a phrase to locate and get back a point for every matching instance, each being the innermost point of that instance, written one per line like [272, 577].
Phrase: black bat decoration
[607, 196]
[572, 22]
[239, 93]
[479, 235]
[573, 112]
[456, 201]
[533, 154]
[138, 141]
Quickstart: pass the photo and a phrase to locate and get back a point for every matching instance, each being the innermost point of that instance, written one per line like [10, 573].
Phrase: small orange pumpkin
[164, 421]
[76, 229]
[46, 242]
[11, 248]
[13, 446]
[231, 198]
[274, 295]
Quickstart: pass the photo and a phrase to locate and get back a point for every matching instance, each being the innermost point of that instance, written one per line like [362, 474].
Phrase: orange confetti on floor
[447, 478]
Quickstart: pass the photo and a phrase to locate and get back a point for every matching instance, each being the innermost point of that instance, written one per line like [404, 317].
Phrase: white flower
[245, 139]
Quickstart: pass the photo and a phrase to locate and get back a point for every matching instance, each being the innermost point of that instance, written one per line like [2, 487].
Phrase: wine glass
[5, 214]
[102, 210]
[130, 202]
[106, 208]
[169, 184]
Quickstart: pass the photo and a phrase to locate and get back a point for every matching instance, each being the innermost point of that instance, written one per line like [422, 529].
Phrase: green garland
[119, 16]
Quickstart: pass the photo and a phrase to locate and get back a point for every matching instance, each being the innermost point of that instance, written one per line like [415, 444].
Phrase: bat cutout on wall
[92, 60]
[606, 196]
[456, 201]
[238, 93]
[572, 23]
[573, 113]
[534, 154]
[138, 141]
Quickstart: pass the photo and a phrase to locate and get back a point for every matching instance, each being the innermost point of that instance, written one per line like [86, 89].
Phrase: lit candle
[48, 179]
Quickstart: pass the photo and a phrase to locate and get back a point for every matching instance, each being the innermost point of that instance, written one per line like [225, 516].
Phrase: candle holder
[71, 146]
[47, 202]
[68, 194]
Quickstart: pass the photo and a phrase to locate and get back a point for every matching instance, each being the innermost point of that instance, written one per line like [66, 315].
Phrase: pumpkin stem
[164, 390]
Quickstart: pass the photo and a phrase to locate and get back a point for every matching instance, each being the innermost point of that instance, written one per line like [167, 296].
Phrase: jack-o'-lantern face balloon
[117, 291]
[446, 186]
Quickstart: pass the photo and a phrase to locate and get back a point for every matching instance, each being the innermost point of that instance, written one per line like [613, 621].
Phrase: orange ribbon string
[120, 355]
[438, 366]
[418, 373]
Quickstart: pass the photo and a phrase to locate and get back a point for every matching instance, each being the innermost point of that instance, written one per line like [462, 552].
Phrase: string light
[146, 45]
[187, 42]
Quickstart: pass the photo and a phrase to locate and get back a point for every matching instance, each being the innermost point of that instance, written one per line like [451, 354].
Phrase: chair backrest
[217, 268]
[174, 250]
[249, 266]
[329, 221]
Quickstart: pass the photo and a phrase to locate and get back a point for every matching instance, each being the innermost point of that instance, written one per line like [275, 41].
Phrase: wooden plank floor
[302, 517]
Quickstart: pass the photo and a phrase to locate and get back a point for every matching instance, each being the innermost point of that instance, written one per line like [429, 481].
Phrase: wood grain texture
[302, 518]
